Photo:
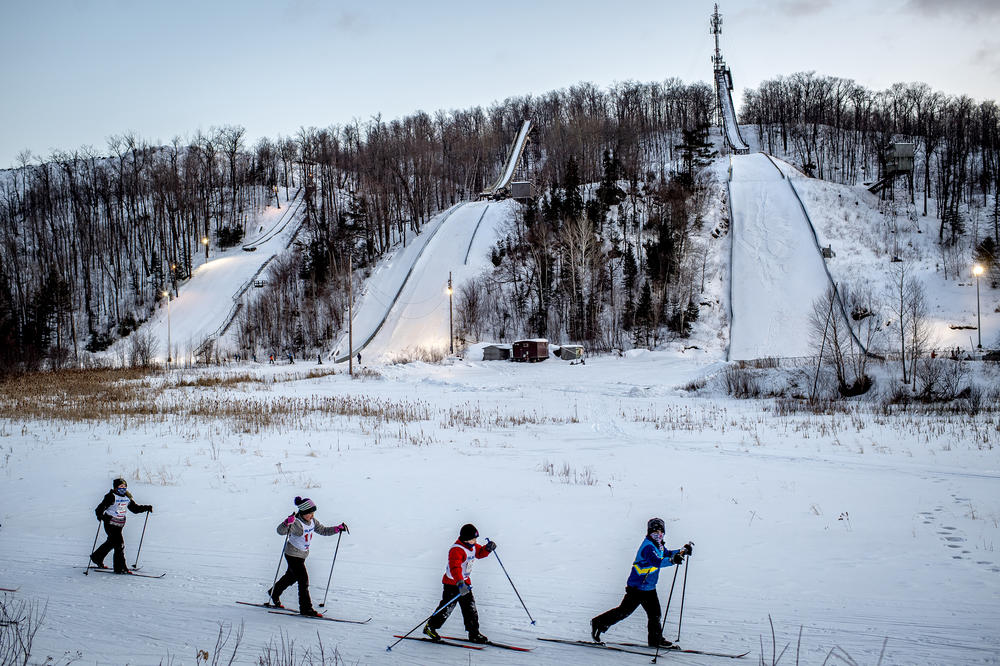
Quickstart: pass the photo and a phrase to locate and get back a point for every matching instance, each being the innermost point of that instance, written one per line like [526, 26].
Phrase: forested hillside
[605, 255]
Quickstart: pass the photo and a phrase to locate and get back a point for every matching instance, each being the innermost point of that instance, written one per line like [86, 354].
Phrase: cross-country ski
[318, 617]
[436, 642]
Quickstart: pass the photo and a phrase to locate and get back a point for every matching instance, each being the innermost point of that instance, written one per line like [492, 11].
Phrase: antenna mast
[716, 23]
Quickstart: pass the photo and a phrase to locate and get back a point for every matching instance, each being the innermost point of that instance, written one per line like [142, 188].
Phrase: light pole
[204, 241]
[451, 334]
[977, 270]
[166, 295]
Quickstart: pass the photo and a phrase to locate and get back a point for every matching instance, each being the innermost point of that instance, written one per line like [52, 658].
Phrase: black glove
[149, 508]
[677, 558]
[687, 549]
[490, 546]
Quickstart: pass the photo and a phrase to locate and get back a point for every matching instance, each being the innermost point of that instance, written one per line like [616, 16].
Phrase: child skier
[457, 582]
[111, 511]
[300, 527]
[640, 589]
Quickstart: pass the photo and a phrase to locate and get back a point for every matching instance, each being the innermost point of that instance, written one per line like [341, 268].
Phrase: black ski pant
[469, 613]
[114, 541]
[296, 573]
[634, 597]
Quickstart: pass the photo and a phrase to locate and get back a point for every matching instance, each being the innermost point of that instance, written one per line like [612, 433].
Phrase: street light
[166, 295]
[451, 334]
[977, 270]
[204, 241]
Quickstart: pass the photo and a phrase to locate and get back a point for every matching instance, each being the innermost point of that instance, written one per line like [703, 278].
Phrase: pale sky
[76, 71]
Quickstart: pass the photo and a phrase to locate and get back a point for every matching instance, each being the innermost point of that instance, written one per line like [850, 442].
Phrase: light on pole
[451, 334]
[204, 241]
[977, 270]
[166, 295]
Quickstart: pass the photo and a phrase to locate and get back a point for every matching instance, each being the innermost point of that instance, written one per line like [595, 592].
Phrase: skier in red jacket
[457, 583]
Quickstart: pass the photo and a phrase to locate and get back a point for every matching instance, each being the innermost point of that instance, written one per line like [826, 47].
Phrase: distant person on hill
[111, 511]
[299, 528]
[457, 583]
[640, 589]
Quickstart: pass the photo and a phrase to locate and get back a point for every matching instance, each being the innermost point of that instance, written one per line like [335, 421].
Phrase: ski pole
[136, 564]
[683, 591]
[275, 582]
[665, 611]
[330, 577]
[425, 620]
[512, 585]
[86, 572]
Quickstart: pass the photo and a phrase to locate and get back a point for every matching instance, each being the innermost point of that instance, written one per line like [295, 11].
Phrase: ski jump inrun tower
[723, 93]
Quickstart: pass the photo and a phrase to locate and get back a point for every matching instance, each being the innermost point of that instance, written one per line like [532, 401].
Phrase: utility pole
[350, 318]
[451, 334]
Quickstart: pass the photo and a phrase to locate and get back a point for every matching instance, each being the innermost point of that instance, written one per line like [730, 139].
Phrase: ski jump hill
[777, 268]
[206, 305]
[403, 310]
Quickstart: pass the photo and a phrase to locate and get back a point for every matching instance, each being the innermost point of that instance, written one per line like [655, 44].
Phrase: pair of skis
[281, 610]
[455, 641]
[629, 648]
[131, 572]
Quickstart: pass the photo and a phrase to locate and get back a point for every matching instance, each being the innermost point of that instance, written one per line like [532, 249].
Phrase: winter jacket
[460, 559]
[300, 535]
[646, 568]
[118, 518]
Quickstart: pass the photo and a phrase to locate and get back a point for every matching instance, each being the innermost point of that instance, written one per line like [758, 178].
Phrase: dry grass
[87, 396]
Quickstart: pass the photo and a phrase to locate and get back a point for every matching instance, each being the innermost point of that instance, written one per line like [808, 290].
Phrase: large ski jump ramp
[407, 318]
[777, 270]
[730, 127]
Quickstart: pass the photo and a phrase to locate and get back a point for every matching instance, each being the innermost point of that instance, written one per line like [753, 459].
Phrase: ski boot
[430, 633]
[663, 643]
[596, 631]
[476, 637]
[310, 612]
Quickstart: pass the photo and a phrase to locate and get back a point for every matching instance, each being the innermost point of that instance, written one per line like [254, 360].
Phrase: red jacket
[460, 559]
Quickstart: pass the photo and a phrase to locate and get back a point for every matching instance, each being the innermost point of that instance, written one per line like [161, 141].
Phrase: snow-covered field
[856, 528]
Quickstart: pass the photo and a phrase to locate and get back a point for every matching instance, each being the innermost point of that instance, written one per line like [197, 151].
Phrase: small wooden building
[571, 352]
[496, 353]
[536, 349]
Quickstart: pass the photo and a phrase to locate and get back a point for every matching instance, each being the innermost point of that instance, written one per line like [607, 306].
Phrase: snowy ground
[855, 528]
[777, 270]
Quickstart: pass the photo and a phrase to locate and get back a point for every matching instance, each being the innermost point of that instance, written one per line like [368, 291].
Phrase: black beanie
[655, 525]
[119, 482]
[468, 532]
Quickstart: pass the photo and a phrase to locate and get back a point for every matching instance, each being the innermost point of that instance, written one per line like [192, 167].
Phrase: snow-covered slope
[207, 302]
[777, 270]
[415, 324]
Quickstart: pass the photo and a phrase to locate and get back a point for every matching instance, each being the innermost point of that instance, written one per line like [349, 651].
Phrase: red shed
[536, 349]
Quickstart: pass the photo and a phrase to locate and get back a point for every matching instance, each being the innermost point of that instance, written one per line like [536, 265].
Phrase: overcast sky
[76, 71]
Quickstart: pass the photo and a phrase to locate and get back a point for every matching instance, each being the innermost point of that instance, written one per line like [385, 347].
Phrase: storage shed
[571, 352]
[536, 349]
[496, 353]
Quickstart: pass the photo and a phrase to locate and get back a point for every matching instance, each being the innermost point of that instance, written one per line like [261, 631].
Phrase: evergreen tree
[572, 199]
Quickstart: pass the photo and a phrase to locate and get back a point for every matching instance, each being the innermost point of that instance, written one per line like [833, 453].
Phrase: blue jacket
[646, 568]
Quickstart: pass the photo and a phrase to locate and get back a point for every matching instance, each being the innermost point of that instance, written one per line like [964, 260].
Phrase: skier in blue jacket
[640, 589]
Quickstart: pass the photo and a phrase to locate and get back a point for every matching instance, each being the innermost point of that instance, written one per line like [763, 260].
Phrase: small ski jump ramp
[777, 270]
[209, 301]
